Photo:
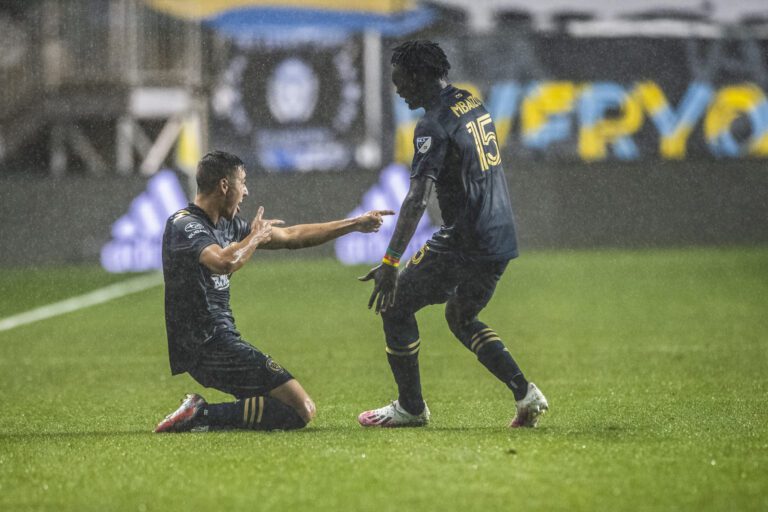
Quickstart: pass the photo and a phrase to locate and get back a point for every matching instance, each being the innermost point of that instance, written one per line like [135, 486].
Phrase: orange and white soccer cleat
[184, 418]
[393, 415]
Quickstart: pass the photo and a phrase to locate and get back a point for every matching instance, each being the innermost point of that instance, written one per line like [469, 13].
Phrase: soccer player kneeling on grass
[456, 148]
[203, 245]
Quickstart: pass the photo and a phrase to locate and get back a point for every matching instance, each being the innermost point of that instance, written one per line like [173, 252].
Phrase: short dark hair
[421, 57]
[213, 167]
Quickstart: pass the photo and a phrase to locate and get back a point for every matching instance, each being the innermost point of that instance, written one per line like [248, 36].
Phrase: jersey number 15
[485, 142]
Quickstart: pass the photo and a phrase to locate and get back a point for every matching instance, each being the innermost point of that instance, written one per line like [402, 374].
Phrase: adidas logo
[387, 194]
[137, 236]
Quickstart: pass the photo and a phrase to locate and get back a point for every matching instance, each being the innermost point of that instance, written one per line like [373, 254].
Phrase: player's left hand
[371, 221]
[385, 279]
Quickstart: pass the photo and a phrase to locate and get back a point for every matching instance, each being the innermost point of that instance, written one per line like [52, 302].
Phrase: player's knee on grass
[280, 416]
[308, 411]
[293, 395]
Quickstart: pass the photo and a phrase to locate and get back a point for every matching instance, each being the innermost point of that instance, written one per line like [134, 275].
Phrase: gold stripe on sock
[261, 409]
[245, 412]
[412, 345]
[402, 352]
[485, 342]
[480, 339]
[253, 411]
[407, 350]
[487, 329]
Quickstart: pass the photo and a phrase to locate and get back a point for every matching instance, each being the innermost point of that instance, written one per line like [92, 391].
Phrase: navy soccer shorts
[233, 366]
[432, 277]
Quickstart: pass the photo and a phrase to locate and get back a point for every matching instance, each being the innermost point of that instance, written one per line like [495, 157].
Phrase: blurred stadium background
[631, 124]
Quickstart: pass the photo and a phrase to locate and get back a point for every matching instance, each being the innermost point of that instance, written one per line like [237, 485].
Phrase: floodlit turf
[22, 289]
[655, 364]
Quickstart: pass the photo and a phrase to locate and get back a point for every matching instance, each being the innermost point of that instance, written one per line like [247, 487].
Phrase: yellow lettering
[464, 106]
[672, 145]
[594, 139]
[729, 104]
[547, 100]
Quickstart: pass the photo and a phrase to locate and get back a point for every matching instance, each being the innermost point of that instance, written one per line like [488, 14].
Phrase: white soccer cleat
[530, 408]
[393, 415]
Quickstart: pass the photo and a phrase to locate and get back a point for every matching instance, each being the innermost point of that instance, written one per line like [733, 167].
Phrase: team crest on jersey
[273, 366]
[423, 144]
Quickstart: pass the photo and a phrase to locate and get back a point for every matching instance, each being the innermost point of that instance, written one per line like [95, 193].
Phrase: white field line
[113, 291]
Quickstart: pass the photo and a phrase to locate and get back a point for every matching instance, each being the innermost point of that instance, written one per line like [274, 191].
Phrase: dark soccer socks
[490, 351]
[255, 413]
[275, 415]
[480, 339]
[403, 343]
[500, 362]
[404, 362]
[223, 415]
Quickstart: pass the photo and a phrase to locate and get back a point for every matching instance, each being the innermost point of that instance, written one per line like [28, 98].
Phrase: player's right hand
[262, 228]
[384, 288]
[371, 221]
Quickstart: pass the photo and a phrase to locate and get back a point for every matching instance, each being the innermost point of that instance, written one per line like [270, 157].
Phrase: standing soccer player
[455, 147]
[203, 245]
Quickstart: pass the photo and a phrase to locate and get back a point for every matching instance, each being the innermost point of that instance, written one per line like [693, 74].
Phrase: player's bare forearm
[239, 253]
[411, 211]
[385, 274]
[231, 258]
[310, 235]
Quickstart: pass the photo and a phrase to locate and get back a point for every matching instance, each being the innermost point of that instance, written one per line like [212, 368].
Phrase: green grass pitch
[655, 364]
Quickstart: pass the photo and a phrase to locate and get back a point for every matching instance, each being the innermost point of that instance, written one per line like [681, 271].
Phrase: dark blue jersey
[196, 299]
[455, 145]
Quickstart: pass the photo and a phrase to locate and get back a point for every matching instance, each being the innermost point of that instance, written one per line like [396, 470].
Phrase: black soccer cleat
[183, 419]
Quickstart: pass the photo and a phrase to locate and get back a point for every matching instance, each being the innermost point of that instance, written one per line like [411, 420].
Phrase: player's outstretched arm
[309, 235]
[233, 257]
[385, 274]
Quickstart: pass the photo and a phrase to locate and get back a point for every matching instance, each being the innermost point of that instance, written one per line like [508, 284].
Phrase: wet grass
[654, 362]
